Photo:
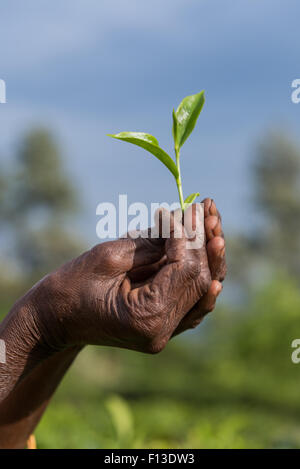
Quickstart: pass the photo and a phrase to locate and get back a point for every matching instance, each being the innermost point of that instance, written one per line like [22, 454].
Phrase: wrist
[46, 310]
[31, 334]
[18, 345]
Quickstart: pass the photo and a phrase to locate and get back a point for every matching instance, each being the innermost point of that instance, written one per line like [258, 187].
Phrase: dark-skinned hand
[134, 293]
[130, 293]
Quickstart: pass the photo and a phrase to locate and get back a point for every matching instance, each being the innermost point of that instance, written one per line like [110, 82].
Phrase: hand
[134, 294]
[215, 247]
[128, 293]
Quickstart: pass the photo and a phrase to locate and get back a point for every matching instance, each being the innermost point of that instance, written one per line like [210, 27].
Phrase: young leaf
[149, 143]
[175, 127]
[186, 116]
[190, 199]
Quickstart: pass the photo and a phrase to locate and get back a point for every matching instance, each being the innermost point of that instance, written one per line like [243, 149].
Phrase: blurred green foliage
[230, 384]
[37, 201]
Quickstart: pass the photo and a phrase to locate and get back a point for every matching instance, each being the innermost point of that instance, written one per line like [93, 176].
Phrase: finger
[210, 224]
[217, 265]
[146, 272]
[213, 208]
[193, 217]
[177, 286]
[216, 258]
[207, 202]
[129, 252]
[140, 248]
[193, 221]
[208, 302]
[218, 228]
[215, 241]
[210, 210]
[141, 251]
[214, 211]
[199, 311]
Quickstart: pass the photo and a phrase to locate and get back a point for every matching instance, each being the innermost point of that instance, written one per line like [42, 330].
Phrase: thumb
[135, 250]
[179, 283]
[144, 247]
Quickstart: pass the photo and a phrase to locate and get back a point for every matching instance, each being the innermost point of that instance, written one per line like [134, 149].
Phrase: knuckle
[192, 268]
[210, 308]
[205, 282]
[148, 330]
[150, 334]
[106, 254]
[195, 323]
[220, 272]
[99, 251]
[155, 346]
[207, 204]
[223, 273]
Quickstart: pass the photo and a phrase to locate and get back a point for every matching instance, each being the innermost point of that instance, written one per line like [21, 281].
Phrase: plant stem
[178, 180]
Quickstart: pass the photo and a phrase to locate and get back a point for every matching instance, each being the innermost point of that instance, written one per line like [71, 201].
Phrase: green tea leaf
[149, 143]
[190, 199]
[186, 116]
[175, 127]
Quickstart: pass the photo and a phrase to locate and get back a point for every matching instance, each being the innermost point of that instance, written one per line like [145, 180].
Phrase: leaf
[186, 117]
[121, 416]
[190, 199]
[149, 143]
[175, 126]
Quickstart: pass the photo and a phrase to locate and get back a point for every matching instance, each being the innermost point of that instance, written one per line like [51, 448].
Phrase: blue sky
[85, 68]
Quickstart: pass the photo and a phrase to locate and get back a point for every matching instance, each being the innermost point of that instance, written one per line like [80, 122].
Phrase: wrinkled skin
[128, 293]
